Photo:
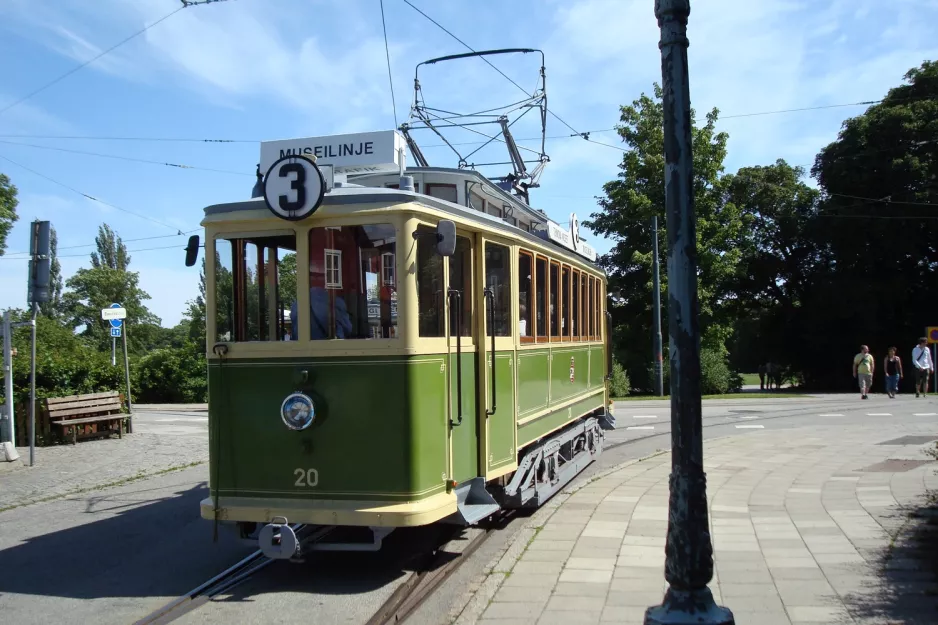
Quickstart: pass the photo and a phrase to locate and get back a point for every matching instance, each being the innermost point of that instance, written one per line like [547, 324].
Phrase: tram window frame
[575, 305]
[592, 318]
[468, 284]
[499, 280]
[556, 325]
[250, 254]
[431, 187]
[565, 281]
[430, 300]
[542, 297]
[600, 310]
[353, 304]
[528, 302]
[584, 302]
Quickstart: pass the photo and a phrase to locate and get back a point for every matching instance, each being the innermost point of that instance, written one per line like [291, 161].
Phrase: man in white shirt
[921, 360]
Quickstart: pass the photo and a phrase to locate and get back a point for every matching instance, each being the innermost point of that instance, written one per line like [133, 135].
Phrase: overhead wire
[15, 255]
[125, 158]
[90, 197]
[387, 53]
[91, 60]
[146, 249]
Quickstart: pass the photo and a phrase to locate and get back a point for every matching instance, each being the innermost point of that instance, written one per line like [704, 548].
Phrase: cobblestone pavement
[164, 438]
[810, 525]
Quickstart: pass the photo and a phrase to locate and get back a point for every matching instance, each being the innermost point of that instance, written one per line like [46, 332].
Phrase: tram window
[575, 325]
[498, 278]
[565, 303]
[584, 297]
[460, 278]
[600, 314]
[442, 191]
[253, 279]
[525, 295]
[591, 321]
[540, 284]
[429, 285]
[555, 324]
[350, 296]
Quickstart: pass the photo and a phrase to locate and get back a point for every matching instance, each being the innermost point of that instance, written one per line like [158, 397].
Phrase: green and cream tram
[414, 349]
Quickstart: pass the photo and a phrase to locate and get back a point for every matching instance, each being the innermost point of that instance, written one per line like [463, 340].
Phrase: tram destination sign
[362, 153]
[570, 238]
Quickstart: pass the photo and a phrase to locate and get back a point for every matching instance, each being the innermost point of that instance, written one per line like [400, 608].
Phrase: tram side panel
[555, 387]
[379, 436]
[502, 424]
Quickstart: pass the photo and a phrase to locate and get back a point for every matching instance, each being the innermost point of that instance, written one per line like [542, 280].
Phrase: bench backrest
[88, 405]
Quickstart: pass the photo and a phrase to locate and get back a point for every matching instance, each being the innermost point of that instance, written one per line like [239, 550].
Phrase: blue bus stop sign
[116, 323]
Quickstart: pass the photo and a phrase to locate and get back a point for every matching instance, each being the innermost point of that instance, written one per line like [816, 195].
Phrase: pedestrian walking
[863, 366]
[762, 377]
[921, 360]
[892, 366]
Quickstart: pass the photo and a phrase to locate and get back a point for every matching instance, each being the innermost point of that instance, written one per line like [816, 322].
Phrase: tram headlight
[298, 411]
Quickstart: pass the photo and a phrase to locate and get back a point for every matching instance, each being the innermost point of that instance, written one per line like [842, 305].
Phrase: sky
[252, 70]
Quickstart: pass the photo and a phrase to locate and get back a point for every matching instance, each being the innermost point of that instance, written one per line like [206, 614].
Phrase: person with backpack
[863, 366]
[921, 360]
[892, 365]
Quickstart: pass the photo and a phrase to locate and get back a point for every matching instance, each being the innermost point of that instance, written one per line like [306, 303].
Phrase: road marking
[640, 427]
[751, 417]
[926, 414]
[879, 414]
[645, 416]
[750, 427]
[831, 414]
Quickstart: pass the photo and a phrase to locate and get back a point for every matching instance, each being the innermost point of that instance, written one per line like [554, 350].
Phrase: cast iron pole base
[681, 607]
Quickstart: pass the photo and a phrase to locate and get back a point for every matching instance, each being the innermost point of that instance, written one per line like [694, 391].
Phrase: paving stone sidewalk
[810, 525]
[64, 469]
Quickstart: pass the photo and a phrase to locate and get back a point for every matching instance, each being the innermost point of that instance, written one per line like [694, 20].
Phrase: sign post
[115, 315]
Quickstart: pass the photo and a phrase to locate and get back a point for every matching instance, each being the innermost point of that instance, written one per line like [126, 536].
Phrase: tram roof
[354, 194]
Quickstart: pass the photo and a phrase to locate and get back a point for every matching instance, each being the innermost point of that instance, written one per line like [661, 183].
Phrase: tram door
[496, 373]
[463, 348]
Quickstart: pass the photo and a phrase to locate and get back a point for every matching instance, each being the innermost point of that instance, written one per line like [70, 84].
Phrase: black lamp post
[689, 564]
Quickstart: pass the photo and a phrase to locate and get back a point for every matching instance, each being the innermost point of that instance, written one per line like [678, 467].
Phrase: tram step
[474, 501]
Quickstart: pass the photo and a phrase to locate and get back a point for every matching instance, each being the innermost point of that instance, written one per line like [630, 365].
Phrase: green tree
[53, 308]
[878, 209]
[8, 204]
[194, 317]
[106, 282]
[287, 278]
[779, 254]
[111, 251]
[624, 216]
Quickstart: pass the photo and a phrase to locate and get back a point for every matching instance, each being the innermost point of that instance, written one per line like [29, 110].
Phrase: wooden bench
[95, 414]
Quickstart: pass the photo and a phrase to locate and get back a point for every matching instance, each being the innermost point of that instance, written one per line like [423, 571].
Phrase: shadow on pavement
[907, 574]
[134, 543]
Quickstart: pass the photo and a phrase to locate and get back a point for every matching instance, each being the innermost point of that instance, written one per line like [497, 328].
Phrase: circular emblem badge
[297, 411]
[293, 188]
[575, 231]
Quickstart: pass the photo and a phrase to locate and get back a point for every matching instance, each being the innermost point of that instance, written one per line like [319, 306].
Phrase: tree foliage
[8, 204]
[625, 214]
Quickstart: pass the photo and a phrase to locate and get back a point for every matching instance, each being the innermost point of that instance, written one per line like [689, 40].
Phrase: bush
[173, 375]
[715, 375]
[65, 365]
[619, 383]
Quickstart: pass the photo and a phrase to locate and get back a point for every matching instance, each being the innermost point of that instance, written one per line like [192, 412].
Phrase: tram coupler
[278, 541]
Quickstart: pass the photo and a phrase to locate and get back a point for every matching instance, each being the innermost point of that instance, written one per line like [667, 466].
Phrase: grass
[775, 395]
[750, 378]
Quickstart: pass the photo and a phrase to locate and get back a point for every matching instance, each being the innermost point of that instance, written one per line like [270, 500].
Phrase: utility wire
[15, 255]
[91, 60]
[90, 197]
[387, 53]
[125, 158]
[146, 249]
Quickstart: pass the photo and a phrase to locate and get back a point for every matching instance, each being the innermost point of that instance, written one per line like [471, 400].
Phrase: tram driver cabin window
[352, 294]
[255, 281]
[525, 296]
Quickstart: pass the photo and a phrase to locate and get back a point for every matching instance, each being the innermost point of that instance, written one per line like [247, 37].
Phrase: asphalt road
[114, 556]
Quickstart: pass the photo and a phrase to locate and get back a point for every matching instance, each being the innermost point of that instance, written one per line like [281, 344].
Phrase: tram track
[224, 581]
